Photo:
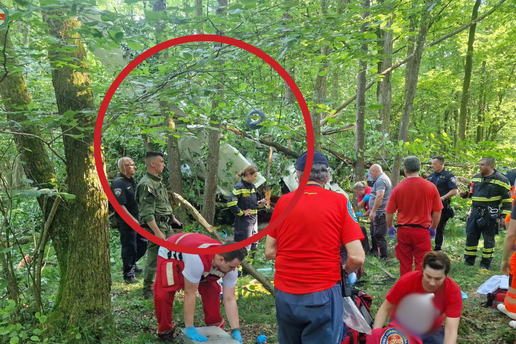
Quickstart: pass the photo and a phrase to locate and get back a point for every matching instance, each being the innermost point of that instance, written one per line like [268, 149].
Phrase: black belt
[163, 218]
[479, 210]
[411, 225]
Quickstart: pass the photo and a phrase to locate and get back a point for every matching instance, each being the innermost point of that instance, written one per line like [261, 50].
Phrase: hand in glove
[366, 198]
[358, 214]
[192, 333]
[432, 232]
[352, 278]
[237, 336]
[392, 232]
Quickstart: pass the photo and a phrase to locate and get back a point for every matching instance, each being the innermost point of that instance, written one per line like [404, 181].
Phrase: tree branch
[215, 235]
[37, 137]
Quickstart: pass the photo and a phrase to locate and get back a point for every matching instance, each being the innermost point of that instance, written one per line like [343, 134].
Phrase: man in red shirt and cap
[306, 247]
[192, 273]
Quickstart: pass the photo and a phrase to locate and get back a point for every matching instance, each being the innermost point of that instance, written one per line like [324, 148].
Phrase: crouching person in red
[447, 300]
[192, 273]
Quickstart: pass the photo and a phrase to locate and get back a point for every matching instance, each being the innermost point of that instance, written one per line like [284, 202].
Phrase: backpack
[495, 298]
[363, 302]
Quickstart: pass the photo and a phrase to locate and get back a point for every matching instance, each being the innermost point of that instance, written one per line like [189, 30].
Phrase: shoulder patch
[453, 180]
[393, 336]
[351, 211]
[117, 192]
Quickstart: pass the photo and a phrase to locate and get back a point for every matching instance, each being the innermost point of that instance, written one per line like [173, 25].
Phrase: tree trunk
[361, 84]
[84, 293]
[467, 73]
[289, 67]
[212, 160]
[411, 78]
[174, 163]
[481, 105]
[319, 96]
[385, 85]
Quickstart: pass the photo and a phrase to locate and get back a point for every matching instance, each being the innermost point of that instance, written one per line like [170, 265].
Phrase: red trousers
[412, 245]
[164, 299]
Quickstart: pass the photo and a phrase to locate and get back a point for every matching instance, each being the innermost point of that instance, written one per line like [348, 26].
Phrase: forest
[382, 80]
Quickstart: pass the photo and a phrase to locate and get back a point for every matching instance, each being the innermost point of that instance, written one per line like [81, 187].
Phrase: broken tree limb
[215, 235]
[338, 110]
[379, 267]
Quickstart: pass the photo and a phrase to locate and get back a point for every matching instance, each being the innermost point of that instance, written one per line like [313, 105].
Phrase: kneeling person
[193, 273]
[433, 278]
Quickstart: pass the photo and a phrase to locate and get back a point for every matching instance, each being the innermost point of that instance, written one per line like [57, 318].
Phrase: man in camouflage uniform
[155, 214]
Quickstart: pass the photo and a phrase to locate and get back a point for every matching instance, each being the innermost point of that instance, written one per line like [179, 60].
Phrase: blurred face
[374, 173]
[129, 168]
[158, 163]
[251, 178]
[484, 168]
[437, 166]
[432, 279]
[224, 266]
[359, 192]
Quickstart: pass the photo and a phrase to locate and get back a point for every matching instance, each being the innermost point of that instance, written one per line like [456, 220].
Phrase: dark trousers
[378, 231]
[312, 318]
[473, 232]
[436, 337]
[246, 227]
[439, 235]
[134, 247]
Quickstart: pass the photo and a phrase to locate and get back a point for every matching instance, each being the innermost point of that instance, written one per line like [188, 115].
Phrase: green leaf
[35, 338]
[14, 340]
[78, 336]
[130, 2]
[25, 180]
[135, 45]
[322, 73]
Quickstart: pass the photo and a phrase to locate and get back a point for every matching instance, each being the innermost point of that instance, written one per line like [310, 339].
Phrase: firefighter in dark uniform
[134, 245]
[243, 202]
[447, 187]
[490, 192]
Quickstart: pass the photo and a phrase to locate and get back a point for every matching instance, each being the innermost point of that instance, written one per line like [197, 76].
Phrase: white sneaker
[501, 308]
[512, 323]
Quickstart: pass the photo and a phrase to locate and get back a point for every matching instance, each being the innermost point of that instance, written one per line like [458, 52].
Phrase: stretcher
[215, 335]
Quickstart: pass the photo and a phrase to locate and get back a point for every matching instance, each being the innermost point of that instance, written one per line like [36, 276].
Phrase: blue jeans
[436, 337]
[310, 318]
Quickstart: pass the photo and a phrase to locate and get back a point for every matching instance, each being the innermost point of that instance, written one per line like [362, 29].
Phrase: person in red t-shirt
[306, 246]
[362, 191]
[447, 298]
[419, 210]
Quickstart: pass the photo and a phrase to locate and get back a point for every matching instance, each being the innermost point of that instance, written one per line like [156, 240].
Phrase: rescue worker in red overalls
[192, 273]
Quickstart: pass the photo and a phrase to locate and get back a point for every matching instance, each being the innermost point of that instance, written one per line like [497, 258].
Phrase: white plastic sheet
[353, 318]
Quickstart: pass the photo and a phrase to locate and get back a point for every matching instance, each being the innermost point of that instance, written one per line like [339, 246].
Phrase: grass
[134, 321]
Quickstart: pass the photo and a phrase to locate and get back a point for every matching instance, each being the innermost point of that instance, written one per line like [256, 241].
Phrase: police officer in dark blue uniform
[491, 195]
[134, 245]
[447, 187]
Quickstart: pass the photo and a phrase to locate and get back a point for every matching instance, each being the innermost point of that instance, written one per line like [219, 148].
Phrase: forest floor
[135, 320]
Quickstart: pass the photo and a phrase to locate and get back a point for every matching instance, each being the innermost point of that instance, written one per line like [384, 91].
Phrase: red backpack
[495, 298]
[363, 302]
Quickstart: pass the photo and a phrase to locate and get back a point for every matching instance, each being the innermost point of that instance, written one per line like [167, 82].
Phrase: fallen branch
[379, 267]
[215, 235]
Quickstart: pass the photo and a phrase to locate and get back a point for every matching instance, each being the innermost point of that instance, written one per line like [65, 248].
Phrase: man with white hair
[380, 193]
[134, 245]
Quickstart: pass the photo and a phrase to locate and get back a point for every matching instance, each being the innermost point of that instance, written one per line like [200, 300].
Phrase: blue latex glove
[358, 214]
[261, 339]
[432, 232]
[352, 278]
[366, 198]
[192, 333]
[237, 336]
[392, 232]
